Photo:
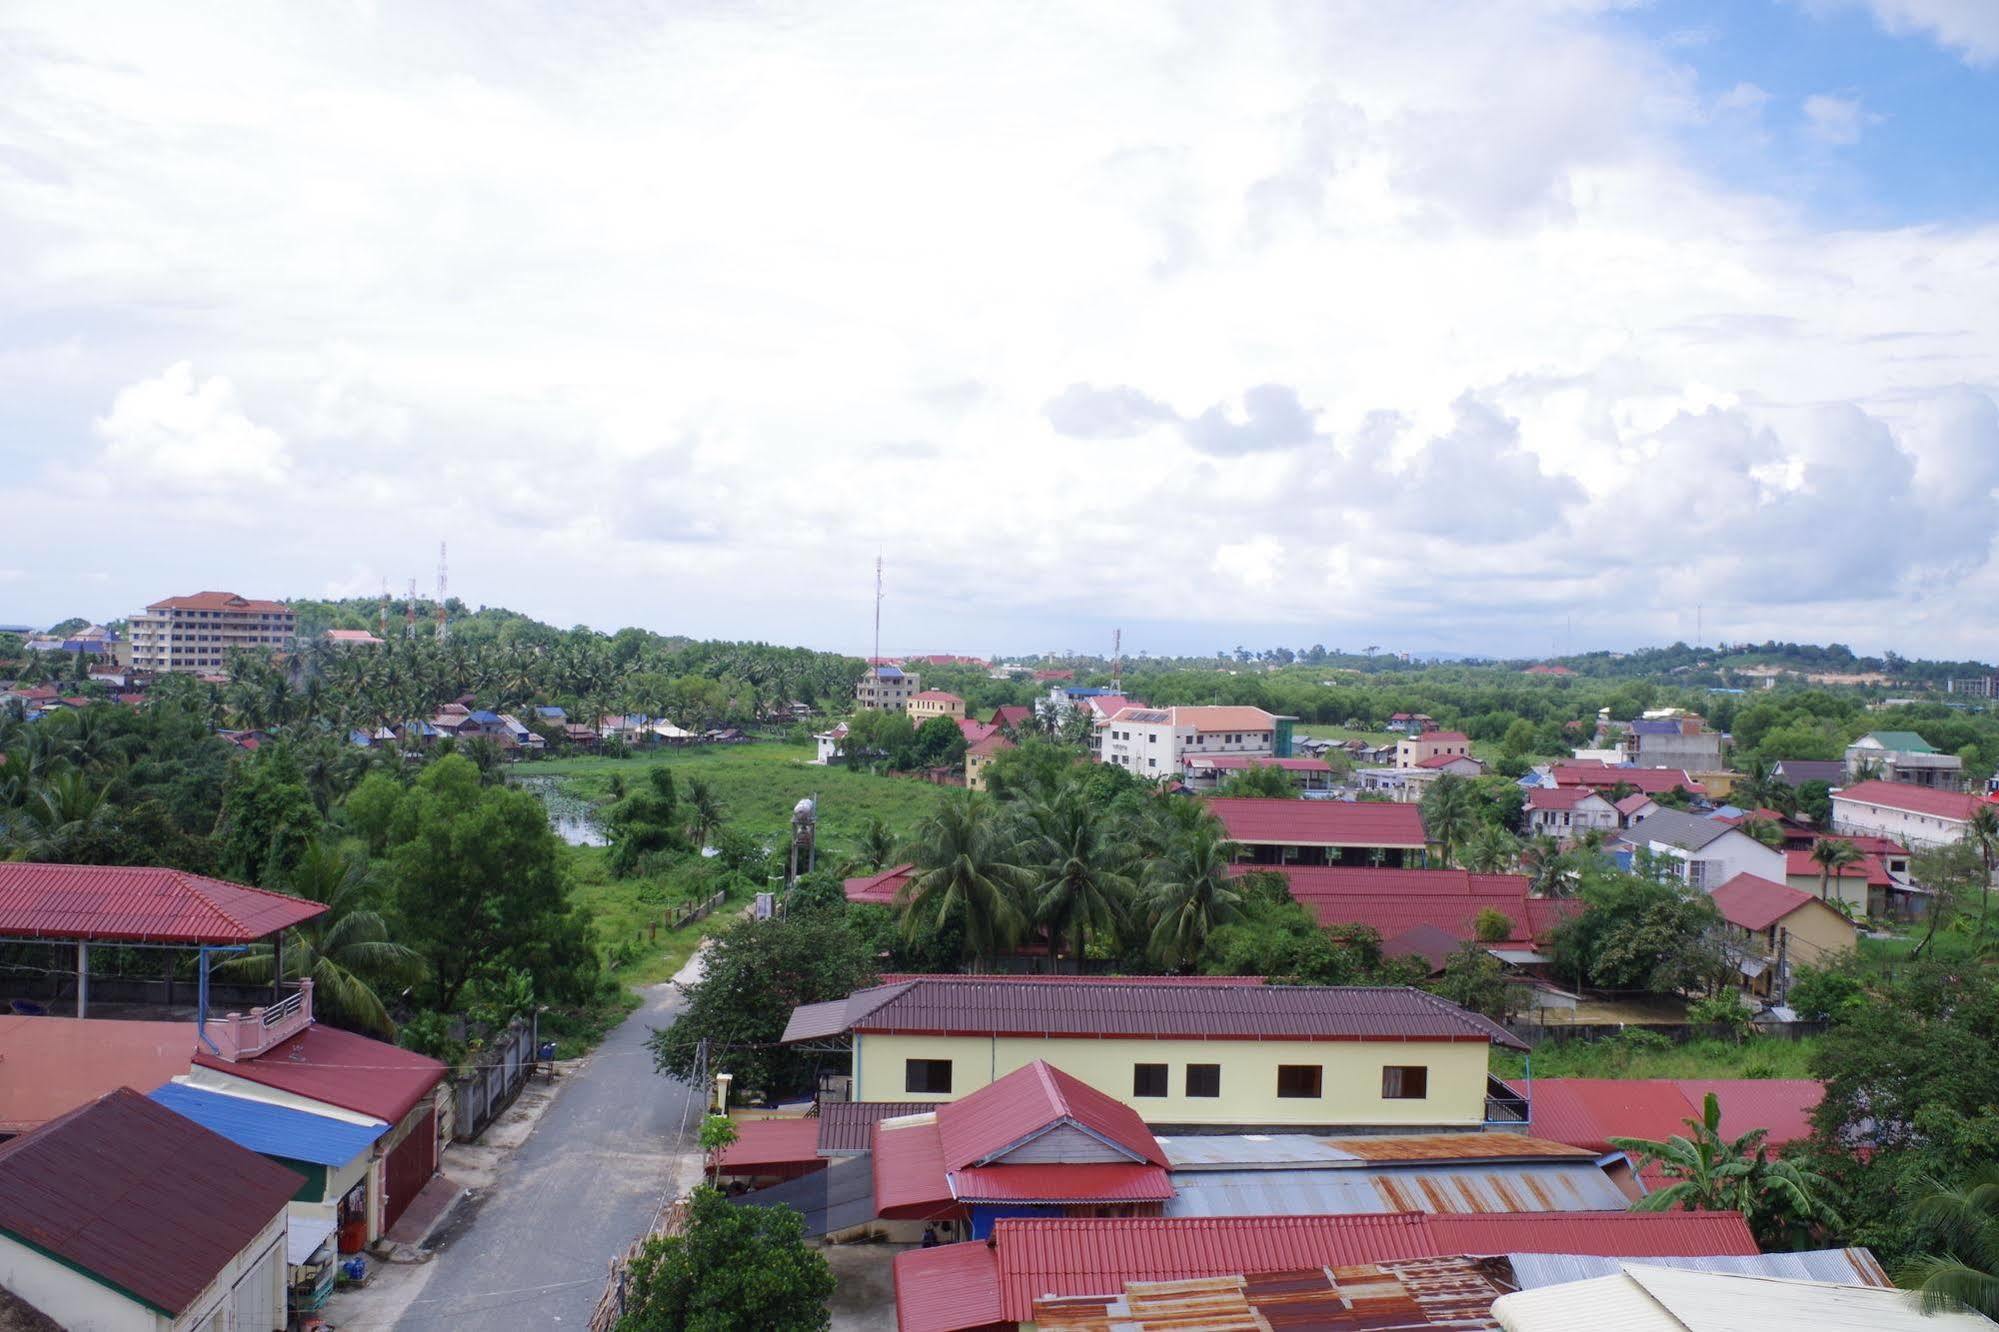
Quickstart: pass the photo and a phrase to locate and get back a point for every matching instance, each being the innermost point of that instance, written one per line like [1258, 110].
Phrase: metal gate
[411, 1164]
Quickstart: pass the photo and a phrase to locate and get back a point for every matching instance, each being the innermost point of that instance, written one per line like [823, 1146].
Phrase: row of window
[1399, 1082]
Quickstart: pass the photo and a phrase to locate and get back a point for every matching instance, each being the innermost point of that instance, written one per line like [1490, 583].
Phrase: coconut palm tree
[1832, 856]
[1188, 894]
[1982, 832]
[706, 808]
[877, 845]
[1450, 815]
[1078, 877]
[1491, 850]
[1710, 1173]
[347, 951]
[58, 813]
[1961, 1226]
[964, 861]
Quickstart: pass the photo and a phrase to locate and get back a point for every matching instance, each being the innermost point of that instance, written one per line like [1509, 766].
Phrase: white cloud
[1836, 120]
[1242, 313]
[1969, 27]
[173, 429]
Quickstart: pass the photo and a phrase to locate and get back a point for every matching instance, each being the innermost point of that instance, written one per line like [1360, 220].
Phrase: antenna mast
[443, 629]
[382, 615]
[409, 613]
[876, 659]
[1117, 661]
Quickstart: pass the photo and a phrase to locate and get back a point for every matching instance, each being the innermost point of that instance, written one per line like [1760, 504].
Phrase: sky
[1486, 326]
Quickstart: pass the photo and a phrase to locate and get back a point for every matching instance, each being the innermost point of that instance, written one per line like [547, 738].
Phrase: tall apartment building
[1157, 742]
[198, 633]
[887, 688]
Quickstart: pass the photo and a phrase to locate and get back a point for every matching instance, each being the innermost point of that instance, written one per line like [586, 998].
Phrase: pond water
[575, 820]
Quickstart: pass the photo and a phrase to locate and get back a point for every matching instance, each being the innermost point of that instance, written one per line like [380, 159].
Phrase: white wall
[1726, 857]
[69, 1297]
[1860, 818]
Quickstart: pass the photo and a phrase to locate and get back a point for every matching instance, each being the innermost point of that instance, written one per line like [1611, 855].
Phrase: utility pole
[443, 628]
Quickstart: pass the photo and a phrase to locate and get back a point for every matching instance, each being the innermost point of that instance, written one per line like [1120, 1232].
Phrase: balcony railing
[239, 1036]
[1504, 1107]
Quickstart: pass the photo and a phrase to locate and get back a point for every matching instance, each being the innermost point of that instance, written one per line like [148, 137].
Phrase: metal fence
[693, 911]
[482, 1092]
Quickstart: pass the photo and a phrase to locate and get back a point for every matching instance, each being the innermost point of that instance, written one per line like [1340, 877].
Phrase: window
[1405, 1082]
[932, 1077]
[1148, 1079]
[1152, 763]
[1299, 1081]
[1204, 1079]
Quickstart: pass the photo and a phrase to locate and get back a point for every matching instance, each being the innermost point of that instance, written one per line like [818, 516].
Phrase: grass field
[1753, 1058]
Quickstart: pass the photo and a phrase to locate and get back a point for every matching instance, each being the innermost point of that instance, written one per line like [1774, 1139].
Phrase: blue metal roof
[550, 712]
[483, 716]
[273, 1130]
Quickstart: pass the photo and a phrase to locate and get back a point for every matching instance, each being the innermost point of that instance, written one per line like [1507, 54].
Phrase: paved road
[533, 1253]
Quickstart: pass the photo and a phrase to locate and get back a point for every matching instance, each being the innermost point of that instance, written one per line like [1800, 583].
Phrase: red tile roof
[1234, 762]
[944, 1289]
[51, 1065]
[1651, 781]
[1012, 714]
[1071, 1182]
[1102, 1009]
[935, 696]
[1319, 822]
[337, 1067]
[1756, 904]
[1589, 1112]
[763, 1144]
[975, 731]
[1798, 864]
[879, 889]
[991, 744]
[1560, 797]
[1868, 844]
[1027, 1103]
[222, 601]
[139, 905]
[139, 1197]
[1395, 901]
[1442, 737]
[1911, 799]
[1631, 804]
[1446, 760]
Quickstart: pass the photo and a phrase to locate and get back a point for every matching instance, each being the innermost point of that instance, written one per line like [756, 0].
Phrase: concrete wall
[84, 1304]
[1351, 1081]
[1859, 818]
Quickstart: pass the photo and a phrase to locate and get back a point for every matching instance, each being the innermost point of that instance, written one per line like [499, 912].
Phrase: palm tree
[1188, 896]
[60, 812]
[1077, 870]
[1491, 850]
[1450, 815]
[346, 951]
[1832, 856]
[706, 807]
[1710, 1173]
[877, 845]
[1764, 831]
[1962, 1226]
[963, 862]
[1982, 831]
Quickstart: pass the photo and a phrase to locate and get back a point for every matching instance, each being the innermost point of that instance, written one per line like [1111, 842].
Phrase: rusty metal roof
[1455, 1147]
[139, 905]
[1099, 1009]
[1195, 1151]
[1411, 1296]
[1334, 1190]
[139, 1198]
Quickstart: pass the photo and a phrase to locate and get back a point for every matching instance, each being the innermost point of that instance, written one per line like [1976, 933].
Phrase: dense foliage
[731, 1267]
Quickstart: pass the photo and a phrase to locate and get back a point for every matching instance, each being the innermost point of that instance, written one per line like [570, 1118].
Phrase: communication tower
[443, 627]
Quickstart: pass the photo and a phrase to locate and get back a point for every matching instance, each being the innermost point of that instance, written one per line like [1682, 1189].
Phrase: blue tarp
[271, 1130]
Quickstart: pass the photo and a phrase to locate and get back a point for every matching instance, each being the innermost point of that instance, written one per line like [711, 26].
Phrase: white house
[1915, 816]
[1706, 853]
[1564, 811]
[1156, 742]
[830, 745]
[158, 1224]
[1903, 757]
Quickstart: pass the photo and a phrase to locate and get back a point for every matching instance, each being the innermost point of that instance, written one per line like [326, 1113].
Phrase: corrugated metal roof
[1347, 880]
[1319, 822]
[1410, 1296]
[1028, 1102]
[840, 1196]
[1643, 1297]
[139, 905]
[1073, 1182]
[950, 1287]
[271, 1130]
[1650, 781]
[1276, 1150]
[880, 888]
[834, 1017]
[1850, 1266]
[1099, 1009]
[50, 1065]
[1580, 1186]
[139, 1197]
[1756, 903]
[911, 1183]
[337, 1067]
[1589, 1112]
[847, 1128]
[771, 1142]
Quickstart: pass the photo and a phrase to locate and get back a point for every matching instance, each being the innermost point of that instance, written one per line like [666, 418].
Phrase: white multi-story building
[198, 633]
[887, 688]
[1914, 816]
[1156, 742]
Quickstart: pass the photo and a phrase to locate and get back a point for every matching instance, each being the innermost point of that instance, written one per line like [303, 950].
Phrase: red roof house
[1320, 824]
[879, 888]
[1396, 903]
[51, 1065]
[948, 1289]
[139, 905]
[1589, 1112]
[773, 1148]
[1952, 805]
[141, 1207]
[1649, 781]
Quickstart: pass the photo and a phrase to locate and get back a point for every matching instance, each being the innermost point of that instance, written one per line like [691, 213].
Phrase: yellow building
[1775, 929]
[198, 633]
[935, 703]
[979, 755]
[1191, 1052]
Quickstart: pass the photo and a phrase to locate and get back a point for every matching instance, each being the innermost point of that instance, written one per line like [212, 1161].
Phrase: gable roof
[879, 888]
[993, 743]
[1652, 781]
[1799, 771]
[270, 1130]
[1799, 863]
[1689, 832]
[1566, 797]
[134, 1195]
[1446, 760]
[140, 905]
[935, 696]
[1211, 719]
[1906, 742]
[51, 1065]
[1028, 1102]
[1106, 1007]
[1909, 799]
[1631, 804]
[218, 601]
[1404, 905]
[1011, 714]
[1437, 737]
[337, 1067]
[975, 731]
[1756, 904]
[947, 1288]
[1319, 822]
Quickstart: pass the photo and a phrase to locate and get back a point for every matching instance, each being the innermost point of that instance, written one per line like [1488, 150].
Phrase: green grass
[635, 910]
[758, 785]
[1756, 1057]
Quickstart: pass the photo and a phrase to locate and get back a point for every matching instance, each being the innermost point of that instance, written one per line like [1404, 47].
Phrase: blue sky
[1431, 325]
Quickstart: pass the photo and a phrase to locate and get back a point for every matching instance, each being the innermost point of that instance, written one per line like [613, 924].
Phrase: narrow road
[533, 1252]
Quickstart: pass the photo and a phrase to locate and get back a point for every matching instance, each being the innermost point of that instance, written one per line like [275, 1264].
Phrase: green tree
[1263, 781]
[966, 864]
[269, 818]
[1450, 815]
[718, 1134]
[1832, 855]
[754, 974]
[1076, 870]
[645, 824]
[347, 952]
[940, 743]
[1782, 1200]
[1491, 925]
[1982, 833]
[1491, 850]
[1637, 934]
[705, 808]
[1473, 978]
[1951, 873]
[732, 1267]
[1959, 1226]
[1188, 895]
